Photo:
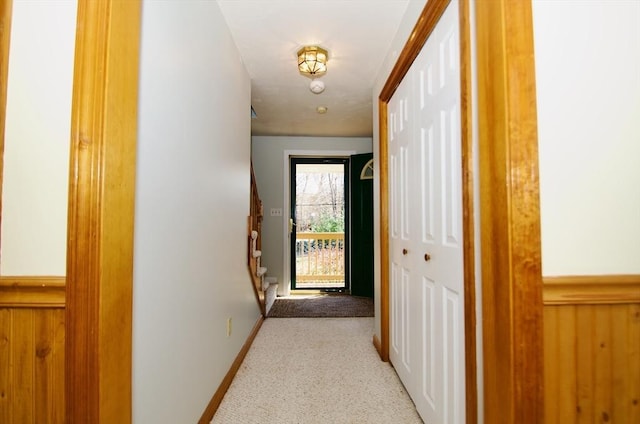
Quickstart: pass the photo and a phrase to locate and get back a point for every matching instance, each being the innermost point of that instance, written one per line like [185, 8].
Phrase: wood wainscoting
[32, 341]
[592, 349]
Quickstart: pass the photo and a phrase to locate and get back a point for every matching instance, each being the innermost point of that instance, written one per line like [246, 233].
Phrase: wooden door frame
[101, 212]
[98, 387]
[509, 205]
[6, 7]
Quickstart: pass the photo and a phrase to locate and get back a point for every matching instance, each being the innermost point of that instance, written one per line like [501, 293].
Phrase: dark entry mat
[322, 306]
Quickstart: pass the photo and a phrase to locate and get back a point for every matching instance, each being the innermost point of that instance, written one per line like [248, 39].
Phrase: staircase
[264, 287]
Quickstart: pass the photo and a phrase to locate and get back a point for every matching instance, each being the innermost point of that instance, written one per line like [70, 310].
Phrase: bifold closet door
[426, 250]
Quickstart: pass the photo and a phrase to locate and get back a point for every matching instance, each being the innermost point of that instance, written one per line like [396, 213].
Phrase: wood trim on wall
[510, 214]
[213, 405]
[32, 292]
[591, 289]
[426, 23]
[5, 38]
[383, 176]
[100, 220]
[376, 344]
[468, 222]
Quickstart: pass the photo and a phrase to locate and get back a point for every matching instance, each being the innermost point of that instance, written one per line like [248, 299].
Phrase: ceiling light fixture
[312, 61]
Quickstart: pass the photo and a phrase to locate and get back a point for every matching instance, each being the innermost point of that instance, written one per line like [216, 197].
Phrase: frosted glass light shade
[312, 60]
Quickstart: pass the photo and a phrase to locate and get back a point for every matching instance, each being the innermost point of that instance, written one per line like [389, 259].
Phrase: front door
[318, 224]
[427, 303]
[362, 225]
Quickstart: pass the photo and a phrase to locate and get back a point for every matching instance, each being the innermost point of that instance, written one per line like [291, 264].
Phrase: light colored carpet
[315, 371]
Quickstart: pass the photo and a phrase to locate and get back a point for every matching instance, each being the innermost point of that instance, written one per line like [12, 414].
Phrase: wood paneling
[101, 212]
[32, 292]
[32, 365]
[592, 349]
[32, 339]
[592, 362]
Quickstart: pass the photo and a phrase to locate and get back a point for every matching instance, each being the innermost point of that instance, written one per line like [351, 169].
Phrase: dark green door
[362, 225]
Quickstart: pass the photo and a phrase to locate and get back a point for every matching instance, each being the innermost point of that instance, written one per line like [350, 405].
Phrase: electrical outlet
[276, 211]
[229, 327]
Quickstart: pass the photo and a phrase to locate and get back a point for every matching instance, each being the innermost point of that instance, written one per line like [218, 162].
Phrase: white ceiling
[357, 35]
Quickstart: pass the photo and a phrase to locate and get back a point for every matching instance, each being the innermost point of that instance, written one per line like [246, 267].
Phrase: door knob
[405, 251]
[427, 257]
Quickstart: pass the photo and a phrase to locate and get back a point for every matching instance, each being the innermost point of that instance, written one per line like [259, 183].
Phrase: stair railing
[254, 245]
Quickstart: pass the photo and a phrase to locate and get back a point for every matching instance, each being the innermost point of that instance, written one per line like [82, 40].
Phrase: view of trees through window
[320, 198]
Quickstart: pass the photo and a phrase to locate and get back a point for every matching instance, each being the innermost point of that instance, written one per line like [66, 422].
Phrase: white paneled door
[427, 303]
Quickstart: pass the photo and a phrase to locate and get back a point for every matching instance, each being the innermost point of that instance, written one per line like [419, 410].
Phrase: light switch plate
[276, 211]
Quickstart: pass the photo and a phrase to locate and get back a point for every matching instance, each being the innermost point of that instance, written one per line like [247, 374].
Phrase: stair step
[271, 292]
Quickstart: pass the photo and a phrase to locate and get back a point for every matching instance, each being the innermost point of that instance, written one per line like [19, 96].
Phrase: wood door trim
[468, 222]
[591, 289]
[426, 23]
[100, 217]
[32, 292]
[383, 175]
[5, 39]
[512, 310]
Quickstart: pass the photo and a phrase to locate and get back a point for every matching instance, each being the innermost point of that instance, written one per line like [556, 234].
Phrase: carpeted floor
[321, 306]
[315, 371]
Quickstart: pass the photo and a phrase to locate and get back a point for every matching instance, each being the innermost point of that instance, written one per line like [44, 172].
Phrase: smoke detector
[316, 86]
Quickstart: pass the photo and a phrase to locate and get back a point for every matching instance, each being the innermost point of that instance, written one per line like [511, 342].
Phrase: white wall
[37, 138]
[268, 154]
[192, 203]
[588, 88]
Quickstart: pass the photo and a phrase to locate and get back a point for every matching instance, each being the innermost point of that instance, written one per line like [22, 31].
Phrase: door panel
[400, 286]
[427, 168]
[404, 193]
[451, 179]
[396, 310]
[426, 253]
[451, 356]
[429, 346]
[361, 228]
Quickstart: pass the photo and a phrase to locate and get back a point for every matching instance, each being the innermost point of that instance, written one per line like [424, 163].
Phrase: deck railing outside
[320, 259]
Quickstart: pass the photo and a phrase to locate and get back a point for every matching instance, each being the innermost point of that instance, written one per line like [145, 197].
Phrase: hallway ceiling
[357, 34]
